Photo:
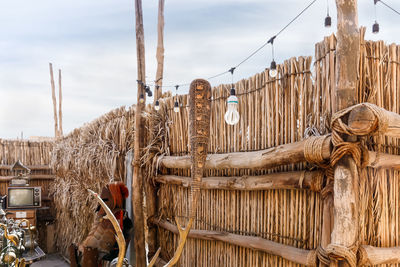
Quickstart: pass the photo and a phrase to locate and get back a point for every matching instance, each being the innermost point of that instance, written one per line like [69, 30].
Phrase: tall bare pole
[151, 190]
[60, 104]
[160, 51]
[139, 142]
[53, 94]
[345, 226]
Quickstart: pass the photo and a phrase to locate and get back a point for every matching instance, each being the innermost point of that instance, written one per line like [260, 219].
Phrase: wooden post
[60, 104]
[139, 142]
[53, 94]
[345, 226]
[151, 190]
[160, 50]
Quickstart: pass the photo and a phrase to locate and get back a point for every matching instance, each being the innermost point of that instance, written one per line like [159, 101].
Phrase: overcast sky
[93, 42]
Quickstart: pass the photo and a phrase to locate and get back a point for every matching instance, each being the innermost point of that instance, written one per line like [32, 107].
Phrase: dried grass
[89, 157]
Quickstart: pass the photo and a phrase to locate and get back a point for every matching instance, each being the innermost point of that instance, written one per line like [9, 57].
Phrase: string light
[141, 98]
[232, 115]
[272, 69]
[258, 49]
[328, 19]
[157, 105]
[234, 103]
[176, 105]
[383, 3]
[375, 27]
[149, 92]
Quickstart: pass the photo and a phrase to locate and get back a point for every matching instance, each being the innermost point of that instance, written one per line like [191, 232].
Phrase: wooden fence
[35, 155]
[276, 111]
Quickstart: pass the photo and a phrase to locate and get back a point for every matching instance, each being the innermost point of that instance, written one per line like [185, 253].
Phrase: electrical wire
[383, 3]
[271, 41]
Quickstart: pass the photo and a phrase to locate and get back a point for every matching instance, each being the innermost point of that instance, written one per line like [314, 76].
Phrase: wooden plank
[297, 255]
[268, 158]
[286, 180]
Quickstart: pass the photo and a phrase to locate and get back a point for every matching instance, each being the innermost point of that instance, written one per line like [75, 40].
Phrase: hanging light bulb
[375, 27]
[149, 93]
[141, 98]
[157, 105]
[176, 106]
[328, 19]
[232, 115]
[272, 69]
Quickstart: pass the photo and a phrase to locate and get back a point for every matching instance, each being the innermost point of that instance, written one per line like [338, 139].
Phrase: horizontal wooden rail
[283, 180]
[268, 158]
[370, 255]
[232, 160]
[31, 167]
[297, 255]
[32, 177]
[386, 161]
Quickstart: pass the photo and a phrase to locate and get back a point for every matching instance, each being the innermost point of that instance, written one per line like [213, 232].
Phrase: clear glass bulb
[141, 98]
[232, 115]
[273, 73]
[176, 107]
[157, 106]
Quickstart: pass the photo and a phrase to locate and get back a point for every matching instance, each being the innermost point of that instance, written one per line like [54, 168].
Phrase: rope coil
[313, 150]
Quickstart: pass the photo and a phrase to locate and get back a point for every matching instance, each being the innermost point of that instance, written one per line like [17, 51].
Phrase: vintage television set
[24, 197]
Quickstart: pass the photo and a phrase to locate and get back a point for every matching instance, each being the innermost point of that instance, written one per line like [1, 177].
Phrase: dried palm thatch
[88, 158]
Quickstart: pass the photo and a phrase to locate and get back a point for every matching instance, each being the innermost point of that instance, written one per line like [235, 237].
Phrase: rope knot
[342, 252]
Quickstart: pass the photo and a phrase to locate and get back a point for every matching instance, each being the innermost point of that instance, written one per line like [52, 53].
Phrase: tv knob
[36, 189]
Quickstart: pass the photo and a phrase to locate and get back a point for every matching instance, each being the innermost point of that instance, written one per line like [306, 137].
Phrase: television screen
[20, 197]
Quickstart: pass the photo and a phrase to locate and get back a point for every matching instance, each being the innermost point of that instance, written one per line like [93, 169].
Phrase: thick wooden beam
[268, 158]
[139, 144]
[345, 226]
[283, 180]
[297, 255]
[362, 119]
[370, 255]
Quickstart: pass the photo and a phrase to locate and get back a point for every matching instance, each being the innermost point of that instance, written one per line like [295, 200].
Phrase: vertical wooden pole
[53, 95]
[60, 104]
[151, 190]
[139, 142]
[160, 50]
[345, 227]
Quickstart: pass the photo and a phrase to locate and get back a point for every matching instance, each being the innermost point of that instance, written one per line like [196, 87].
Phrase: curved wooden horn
[119, 237]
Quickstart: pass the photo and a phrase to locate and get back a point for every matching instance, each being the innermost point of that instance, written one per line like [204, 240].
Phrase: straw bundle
[89, 157]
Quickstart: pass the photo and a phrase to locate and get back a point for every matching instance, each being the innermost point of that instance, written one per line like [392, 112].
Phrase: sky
[93, 43]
